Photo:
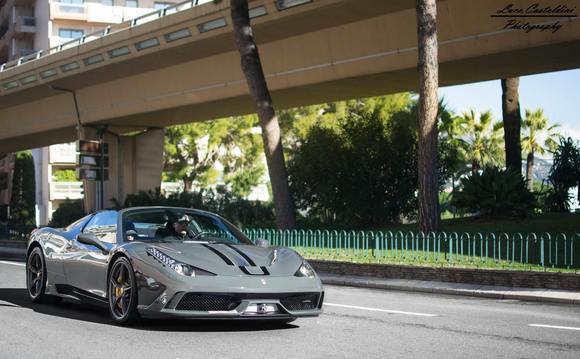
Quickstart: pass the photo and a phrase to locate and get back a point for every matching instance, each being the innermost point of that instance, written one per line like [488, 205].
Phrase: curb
[447, 289]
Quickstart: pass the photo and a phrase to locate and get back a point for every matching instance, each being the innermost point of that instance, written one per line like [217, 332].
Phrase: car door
[85, 265]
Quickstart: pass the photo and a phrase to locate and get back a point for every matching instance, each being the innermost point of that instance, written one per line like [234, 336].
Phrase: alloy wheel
[35, 274]
[120, 290]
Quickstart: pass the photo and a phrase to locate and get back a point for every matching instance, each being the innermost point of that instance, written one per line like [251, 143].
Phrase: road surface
[357, 323]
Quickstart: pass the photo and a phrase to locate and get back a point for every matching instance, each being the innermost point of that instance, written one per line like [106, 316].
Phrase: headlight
[178, 267]
[305, 270]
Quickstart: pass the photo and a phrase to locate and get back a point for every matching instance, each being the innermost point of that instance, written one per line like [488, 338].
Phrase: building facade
[27, 26]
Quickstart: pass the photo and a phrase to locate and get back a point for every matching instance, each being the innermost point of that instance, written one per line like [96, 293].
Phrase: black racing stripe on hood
[248, 259]
[219, 254]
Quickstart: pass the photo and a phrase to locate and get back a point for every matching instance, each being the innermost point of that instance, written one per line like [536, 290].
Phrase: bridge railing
[102, 33]
[514, 250]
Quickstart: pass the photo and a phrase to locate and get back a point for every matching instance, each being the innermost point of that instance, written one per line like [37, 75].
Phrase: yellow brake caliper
[118, 290]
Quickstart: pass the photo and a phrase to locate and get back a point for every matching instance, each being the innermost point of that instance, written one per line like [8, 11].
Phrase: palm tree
[535, 127]
[451, 143]
[511, 123]
[252, 68]
[428, 68]
[481, 140]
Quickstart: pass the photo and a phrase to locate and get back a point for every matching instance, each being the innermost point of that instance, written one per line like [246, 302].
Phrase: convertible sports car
[170, 262]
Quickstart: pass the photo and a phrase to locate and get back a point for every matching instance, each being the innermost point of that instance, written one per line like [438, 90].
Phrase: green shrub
[68, 212]
[494, 193]
[360, 173]
[64, 176]
[23, 190]
[564, 175]
[241, 212]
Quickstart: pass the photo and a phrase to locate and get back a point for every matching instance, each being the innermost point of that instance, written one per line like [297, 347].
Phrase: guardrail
[515, 250]
[102, 33]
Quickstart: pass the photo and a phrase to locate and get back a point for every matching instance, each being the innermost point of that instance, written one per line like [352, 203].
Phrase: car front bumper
[244, 297]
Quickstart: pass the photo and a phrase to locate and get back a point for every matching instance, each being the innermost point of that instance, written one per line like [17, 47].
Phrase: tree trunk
[187, 184]
[512, 119]
[252, 68]
[530, 171]
[427, 115]
[474, 167]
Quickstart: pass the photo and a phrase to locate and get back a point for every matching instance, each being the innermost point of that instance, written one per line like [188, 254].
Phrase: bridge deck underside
[350, 54]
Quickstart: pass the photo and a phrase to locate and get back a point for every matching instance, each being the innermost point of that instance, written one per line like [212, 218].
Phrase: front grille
[300, 302]
[207, 302]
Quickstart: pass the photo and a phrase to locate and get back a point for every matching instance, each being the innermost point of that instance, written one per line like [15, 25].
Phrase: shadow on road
[17, 297]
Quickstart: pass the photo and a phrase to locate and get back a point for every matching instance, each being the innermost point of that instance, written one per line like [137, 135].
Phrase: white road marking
[14, 263]
[552, 326]
[380, 310]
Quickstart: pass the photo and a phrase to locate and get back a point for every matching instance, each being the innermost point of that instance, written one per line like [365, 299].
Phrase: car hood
[226, 259]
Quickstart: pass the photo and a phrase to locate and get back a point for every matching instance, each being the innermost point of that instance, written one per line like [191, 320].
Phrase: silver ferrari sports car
[169, 262]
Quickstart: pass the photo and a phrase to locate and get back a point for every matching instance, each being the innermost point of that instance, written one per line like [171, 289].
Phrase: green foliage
[64, 176]
[360, 171]
[481, 139]
[23, 190]
[534, 127]
[452, 157]
[494, 193]
[564, 175]
[237, 210]
[192, 152]
[68, 212]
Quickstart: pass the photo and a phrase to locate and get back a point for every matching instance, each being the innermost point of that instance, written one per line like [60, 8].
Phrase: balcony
[64, 190]
[66, 11]
[24, 25]
[65, 153]
[22, 52]
[95, 12]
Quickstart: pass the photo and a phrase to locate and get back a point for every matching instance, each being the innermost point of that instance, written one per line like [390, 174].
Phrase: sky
[558, 93]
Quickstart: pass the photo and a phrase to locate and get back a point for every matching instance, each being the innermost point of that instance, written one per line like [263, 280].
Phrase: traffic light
[92, 160]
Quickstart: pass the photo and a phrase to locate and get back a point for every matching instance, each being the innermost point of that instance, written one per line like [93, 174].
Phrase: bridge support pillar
[135, 164]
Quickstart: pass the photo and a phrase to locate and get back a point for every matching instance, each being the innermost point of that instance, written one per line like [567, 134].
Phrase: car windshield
[175, 224]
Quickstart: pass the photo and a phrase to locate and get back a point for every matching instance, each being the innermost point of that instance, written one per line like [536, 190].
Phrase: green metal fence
[515, 250]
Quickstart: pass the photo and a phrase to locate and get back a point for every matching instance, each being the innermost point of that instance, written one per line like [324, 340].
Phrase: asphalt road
[357, 323]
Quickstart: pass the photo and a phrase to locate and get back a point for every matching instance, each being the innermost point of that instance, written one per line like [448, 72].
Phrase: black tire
[36, 278]
[122, 292]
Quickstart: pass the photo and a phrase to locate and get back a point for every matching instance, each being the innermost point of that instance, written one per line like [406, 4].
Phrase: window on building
[80, 2]
[131, 3]
[160, 5]
[70, 33]
[108, 2]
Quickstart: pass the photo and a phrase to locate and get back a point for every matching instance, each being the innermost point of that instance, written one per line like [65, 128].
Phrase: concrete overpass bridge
[180, 65]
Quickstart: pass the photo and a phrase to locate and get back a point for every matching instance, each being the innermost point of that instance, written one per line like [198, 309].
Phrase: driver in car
[176, 226]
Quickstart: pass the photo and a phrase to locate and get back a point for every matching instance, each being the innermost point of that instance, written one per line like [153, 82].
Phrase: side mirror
[92, 240]
[262, 243]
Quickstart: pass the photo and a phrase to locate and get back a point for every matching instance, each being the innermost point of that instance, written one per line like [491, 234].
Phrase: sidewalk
[12, 250]
[16, 251]
[471, 290]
